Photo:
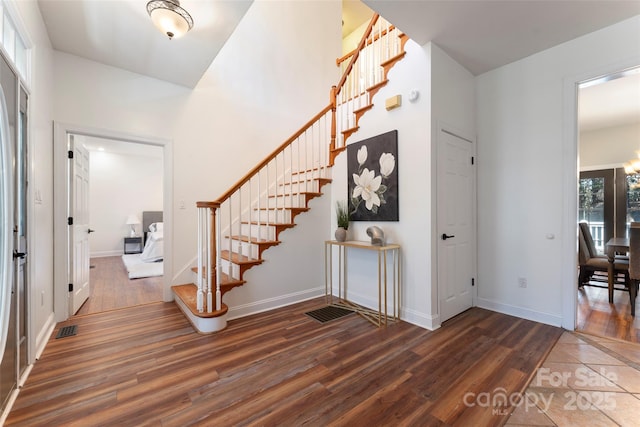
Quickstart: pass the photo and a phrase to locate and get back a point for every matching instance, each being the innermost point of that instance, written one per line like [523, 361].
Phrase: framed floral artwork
[372, 168]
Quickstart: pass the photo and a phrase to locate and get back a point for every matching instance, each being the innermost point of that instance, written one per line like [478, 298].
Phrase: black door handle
[17, 254]
[90, 231]
[445, 237]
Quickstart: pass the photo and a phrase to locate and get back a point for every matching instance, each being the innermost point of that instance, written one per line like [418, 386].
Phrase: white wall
[609, 147]
[41, 178]
[413, 230]
[454, 110]
[120, 185]
[273, 74]
[527, 172]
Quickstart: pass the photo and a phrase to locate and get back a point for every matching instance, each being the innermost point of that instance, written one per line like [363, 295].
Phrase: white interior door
[456, 253]
[79, 230]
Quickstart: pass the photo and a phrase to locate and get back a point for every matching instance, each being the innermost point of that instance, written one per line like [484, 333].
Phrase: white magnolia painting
[372, 166]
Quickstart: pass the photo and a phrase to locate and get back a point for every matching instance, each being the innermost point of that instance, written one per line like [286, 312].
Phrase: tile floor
[585, 381]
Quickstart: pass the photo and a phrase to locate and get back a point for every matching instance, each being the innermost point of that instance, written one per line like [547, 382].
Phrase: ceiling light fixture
[169, 17]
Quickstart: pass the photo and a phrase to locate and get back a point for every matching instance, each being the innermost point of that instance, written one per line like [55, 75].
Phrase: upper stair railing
[364, 72]
[234, 229]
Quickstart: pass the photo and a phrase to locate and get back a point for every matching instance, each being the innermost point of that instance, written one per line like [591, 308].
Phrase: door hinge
[473, 281]
[70, 154]
[472, 160]
[70, 220]
[70, 287]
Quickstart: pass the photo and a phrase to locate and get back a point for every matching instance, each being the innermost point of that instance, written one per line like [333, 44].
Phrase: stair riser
[311, 186]
[225, 270]
[235, 269]
[278, 216]
[311, 174]
[287, 201]
[244, 248]
[259, 231]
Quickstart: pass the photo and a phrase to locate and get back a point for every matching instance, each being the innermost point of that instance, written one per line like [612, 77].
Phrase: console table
[379, 317]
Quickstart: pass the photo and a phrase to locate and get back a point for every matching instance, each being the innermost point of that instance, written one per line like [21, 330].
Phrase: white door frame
[569, 277]
[61, 195]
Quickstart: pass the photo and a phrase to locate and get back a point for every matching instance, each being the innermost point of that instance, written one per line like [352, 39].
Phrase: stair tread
[310, 170]
[254, 240]
[378, 85]
[275, 224]
[239, 259]
[363, 109]
[301, 181]
[225, 280]
[393, 59]
[281, 208]
[351, 130]
[188, 294]
[309, 193]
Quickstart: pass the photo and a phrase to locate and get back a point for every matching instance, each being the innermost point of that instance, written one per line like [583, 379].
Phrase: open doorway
[63, 303]
[609, 196]
[125, 258]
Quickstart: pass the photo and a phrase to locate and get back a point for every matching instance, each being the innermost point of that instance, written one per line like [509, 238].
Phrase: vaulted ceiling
[479, 34]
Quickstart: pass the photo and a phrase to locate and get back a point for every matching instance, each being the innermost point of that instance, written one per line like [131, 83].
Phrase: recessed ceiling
[120, 33]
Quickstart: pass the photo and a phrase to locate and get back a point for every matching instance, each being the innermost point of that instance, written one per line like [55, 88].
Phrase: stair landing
[204, 323]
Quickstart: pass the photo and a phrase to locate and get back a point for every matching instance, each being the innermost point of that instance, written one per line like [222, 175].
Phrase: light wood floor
[144, 365]
[112, 289]
[597, 317]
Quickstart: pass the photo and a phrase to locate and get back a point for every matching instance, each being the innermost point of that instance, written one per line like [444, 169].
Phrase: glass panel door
[633, 200]
[595, 204]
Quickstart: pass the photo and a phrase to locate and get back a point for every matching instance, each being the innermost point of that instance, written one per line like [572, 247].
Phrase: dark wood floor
[144, 365]
[596, 316]
[112, 289]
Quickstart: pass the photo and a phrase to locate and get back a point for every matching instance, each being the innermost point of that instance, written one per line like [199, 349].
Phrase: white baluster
[229, 267]
[199, 296]
[209, 254]
[218, 262]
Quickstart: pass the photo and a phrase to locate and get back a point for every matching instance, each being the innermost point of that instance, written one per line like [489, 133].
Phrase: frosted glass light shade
[169, 17]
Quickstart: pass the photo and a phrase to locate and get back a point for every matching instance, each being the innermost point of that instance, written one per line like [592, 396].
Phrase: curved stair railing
[235, 229]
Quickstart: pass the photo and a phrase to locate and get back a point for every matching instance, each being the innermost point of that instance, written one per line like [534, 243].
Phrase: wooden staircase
[235, 230]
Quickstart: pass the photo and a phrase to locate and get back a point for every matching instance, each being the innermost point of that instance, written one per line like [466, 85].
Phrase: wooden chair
[590, 265]
[634, 264]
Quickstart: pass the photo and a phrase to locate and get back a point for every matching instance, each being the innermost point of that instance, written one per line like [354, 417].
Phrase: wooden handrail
[354, 58]
[210, 205]
[273, 155]
[369, 42]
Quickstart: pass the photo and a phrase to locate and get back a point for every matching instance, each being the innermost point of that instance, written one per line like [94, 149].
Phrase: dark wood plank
[144, 365]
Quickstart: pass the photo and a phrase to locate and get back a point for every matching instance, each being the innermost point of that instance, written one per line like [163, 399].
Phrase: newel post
[332, 146]
[211, 250]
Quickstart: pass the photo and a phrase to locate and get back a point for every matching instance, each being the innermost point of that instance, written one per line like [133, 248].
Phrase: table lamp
[132, 221]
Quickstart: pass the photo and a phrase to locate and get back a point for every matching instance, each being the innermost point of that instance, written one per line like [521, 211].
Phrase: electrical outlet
[522, 282]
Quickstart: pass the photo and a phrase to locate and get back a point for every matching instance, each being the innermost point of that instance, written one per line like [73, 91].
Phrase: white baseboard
[102, 254]
[414, 317]
[43, 336]
[420, 319]
[203, 325]
[524, 313]
[273, 303]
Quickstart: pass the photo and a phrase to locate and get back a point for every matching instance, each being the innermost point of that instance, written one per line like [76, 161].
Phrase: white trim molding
[60, 188]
